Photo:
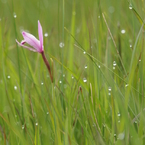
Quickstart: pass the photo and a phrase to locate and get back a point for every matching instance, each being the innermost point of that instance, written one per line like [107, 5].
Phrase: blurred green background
[95, 49]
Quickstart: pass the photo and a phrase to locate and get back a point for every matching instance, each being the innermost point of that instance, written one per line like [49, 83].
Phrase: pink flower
[36, 45]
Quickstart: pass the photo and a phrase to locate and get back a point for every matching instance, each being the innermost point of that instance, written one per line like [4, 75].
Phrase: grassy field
[96, 53]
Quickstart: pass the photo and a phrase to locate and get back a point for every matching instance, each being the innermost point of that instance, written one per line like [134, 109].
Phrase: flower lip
[36, 45]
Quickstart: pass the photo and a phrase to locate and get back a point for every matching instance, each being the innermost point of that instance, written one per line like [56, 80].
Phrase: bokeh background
[96, 51]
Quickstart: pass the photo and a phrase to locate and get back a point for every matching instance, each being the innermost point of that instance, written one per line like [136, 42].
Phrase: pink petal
[21, 44]
[40, 32]
[32, 41]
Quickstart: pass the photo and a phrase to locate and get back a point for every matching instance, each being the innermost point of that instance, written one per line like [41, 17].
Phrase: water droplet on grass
[130, 45]
[109, 94]
[114, 63]
[42, 83]
[99, 16]
[63, 75]
[109, 89]
[46, 34]
[118, 121]
[84, 80]
[14, 14]
[121, 136]
[23, 126]
[84, 52]
[61, 44]
[15, 87]
[47, 113]
[126, 85]
[72, 77]
[36, 124]
[60, 82]
[8, 77]
[86, 66]
[135, 122]
[123, 31]
[130, 6]
[118, 114]
[114, 135]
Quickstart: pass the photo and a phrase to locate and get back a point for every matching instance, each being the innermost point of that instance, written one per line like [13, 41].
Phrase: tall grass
[96, 53]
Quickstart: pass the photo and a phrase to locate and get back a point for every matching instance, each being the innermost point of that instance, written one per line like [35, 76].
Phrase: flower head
[36, 45]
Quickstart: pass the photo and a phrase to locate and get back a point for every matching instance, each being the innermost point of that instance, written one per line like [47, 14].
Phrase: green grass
[97, 97]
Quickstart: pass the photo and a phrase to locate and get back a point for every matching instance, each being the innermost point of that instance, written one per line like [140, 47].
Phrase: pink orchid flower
[36, 45]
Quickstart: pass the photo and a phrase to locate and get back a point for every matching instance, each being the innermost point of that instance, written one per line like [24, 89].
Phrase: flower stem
[47, 65]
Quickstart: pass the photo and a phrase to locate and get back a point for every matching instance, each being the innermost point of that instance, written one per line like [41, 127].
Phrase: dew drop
[84, 80]
[63, 75]
[61, 44]
[126, 85]
[114, 63]
[109, 94]
[60, 82]
[123, 31]
[15, 87]
[130, 6]
[36, 124]
[23, 126]
[42, 83]
[8, 77]
[86, 66]
[130, 45]
[99, 16]
[114, 135]
[72, 77]
[118, 114]
[109, 89]
[121, 136]
[118, 121]
[46, 34]
[84, 52]
[14, 14]
[47, 113]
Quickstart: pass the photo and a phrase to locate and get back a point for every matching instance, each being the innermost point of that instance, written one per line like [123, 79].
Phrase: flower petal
[40, 32]
[21, 44]
[32, 41]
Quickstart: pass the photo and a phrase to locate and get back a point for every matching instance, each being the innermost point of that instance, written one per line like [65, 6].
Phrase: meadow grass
[96, 52]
